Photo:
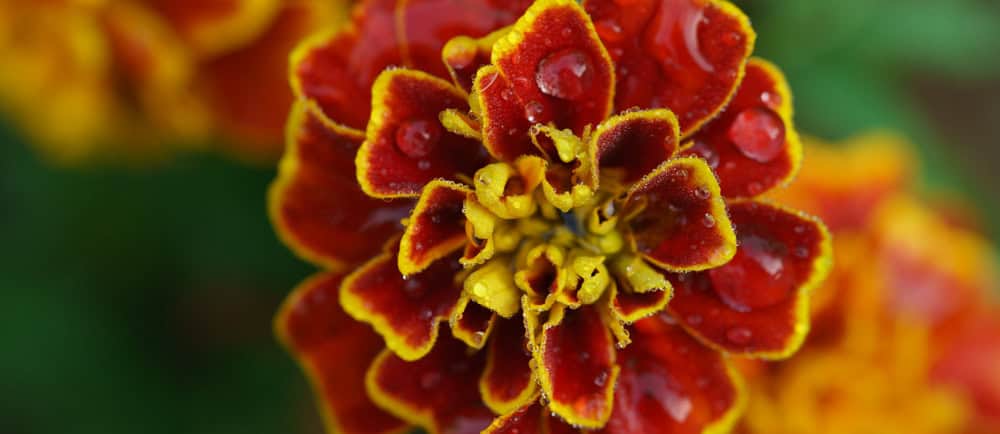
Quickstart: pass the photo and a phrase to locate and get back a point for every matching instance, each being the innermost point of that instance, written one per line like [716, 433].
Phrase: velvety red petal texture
[405, 145]
[437, 392]
[576, 365]
[335, 352]
[508, 382]
[677, 218]
[505, 127]
[556, 66]
[631, 306]
[752, 145]
[405, 311]
[757, 303]
[635, 142]
[530, 419]
[315, 202]
[463, 56]
[436, 228]
[684, 55]
[672, 384]
[472, 323]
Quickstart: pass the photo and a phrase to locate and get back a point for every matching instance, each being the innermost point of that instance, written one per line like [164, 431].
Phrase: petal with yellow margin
[405, 145]
[677, 218]
[508, 382]
[672, 384]
[684, 55]
[315, 203]
[335, 352]
[752, 145]
[437, 392]
[757, 304]
[533, 418]
[436, 228]
[634, 142]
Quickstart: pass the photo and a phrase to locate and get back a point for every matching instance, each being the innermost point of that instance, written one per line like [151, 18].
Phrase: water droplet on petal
[801, 252]
[770, 99]
[706, 152]
[423, 165]
[609, 30]
[708, 220]
[702, 193]
[758, 133]
[426, 314]
[601, 379]
[417, 138]
[739, 335]
[566, 74]
[533, 110]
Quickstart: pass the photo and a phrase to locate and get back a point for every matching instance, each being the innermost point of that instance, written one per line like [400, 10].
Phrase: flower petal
[556, 66]
[533, 418]
[437, 392]
[752, 145]
[405, 311]
[472, 323]
[334, 351]
[670, 383]
[405, 145]
[635, 142]
[757, 304]
[684, 55]
[463, 56]
[508, 382]
[629, 306]
[436, 228]
[505, 128]
[315, 203]
[576, 365]
[214, 26]
[677, 218]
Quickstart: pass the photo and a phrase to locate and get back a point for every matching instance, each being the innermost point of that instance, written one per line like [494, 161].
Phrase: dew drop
[706, 153]
[755, 188]
[532, 111]
[739, 335]
[601, 379]
[758, 133]
[566, 74]
[609, 30]
[507, 94]
[417, 138]
[424, 165]
[702, 193]
[426, 314]
[801, 252]
[708, 220]
[770, 99]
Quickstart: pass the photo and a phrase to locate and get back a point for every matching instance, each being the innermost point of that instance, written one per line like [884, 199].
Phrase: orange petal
[404, 310]
[671, 384]
[406, 146]
[508, 382]
[334, 351]
[436, 228]
[576, 365]
[677, 218]
[752, 145]
[437, 392]
[757, 304]
[315, 203]
[684, 55]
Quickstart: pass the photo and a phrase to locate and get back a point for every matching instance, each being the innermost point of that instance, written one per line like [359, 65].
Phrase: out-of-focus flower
[88, 78]
[579, 194]
[902, 326]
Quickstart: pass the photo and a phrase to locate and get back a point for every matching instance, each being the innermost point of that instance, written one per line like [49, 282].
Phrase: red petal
[752, 145]
[505, 128]
[463, 56]
[315, 203]
[533, 418]
[472, 323]
[334, 351]
[436, 228]
[406, 146]
[671, 384]
[576, 365]
[508, 381]
[969, 362]
[337, 70]
[629, 306]
[678, 219]
[684, 55]
[405, 311]
[216, 26]
[757, 303]
[437, 392]
[556, 66]
[636, 142]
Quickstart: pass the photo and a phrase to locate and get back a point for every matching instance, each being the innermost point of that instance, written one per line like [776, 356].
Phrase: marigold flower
[91, 78]
[900, 325]
[578, 187]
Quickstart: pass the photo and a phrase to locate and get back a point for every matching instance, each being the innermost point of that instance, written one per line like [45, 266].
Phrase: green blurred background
[140, 299]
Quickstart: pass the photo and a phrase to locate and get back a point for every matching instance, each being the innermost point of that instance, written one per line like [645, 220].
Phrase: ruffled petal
[463, 56]
[757, 304]
[633, 142]
[684, 55]
[629, 306]
[508, 382]
[436, 228]
[670, 383]
[575, 356]
[437, 392]
[752, 145]
[556, 66]
[677, 218]
[404, 310]
[504, 125]
[472, 323]
[334, 351]
[405, 145]
[533, 418]
[315, 203]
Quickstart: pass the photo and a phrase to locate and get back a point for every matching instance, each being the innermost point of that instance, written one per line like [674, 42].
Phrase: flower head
[578, 190]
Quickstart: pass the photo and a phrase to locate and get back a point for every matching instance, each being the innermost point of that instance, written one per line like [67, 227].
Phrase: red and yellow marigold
[548, 213]
[87, 78]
